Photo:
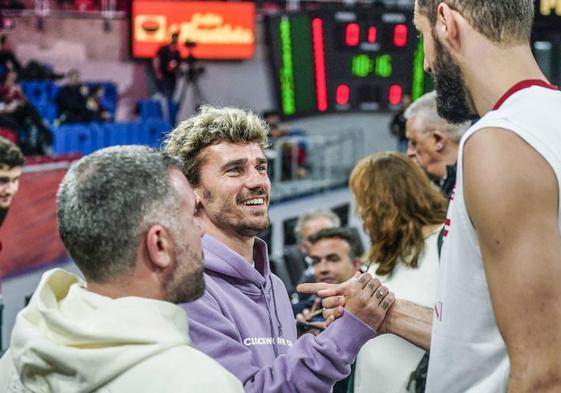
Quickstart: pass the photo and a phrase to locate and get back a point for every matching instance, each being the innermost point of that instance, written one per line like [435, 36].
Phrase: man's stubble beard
[239, 228]
[186, 282]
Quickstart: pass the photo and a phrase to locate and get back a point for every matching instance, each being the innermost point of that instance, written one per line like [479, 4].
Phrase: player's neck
[241, 245]
[496, 71]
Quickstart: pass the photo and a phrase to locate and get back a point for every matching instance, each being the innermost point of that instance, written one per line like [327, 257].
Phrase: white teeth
[256, 201]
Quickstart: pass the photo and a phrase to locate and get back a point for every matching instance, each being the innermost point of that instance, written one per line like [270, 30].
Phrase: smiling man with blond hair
[244, 319]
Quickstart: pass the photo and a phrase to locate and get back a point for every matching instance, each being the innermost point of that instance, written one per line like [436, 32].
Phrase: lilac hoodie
[244, 320]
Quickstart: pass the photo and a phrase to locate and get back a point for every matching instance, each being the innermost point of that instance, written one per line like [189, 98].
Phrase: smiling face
[9, 185]
[453, 100]
[331, 261]
[234, 189]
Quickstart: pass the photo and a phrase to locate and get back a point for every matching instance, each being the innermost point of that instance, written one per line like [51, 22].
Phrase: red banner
[29, 234]
[220, 30]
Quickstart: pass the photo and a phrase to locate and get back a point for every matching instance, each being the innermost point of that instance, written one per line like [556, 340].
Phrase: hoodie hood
[222, 261]
[71, 340]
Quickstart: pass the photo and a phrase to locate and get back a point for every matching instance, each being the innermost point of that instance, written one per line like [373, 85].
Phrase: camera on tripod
[194, 68]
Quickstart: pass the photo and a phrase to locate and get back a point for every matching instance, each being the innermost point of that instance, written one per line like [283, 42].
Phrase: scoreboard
[339, 60]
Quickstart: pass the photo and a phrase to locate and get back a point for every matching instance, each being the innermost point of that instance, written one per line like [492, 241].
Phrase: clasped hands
[362, 295]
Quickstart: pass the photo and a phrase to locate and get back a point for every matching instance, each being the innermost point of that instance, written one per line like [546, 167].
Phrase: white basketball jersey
[468, 353]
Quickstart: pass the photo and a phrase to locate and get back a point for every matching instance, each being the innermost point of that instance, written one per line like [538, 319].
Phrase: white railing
[301, 165]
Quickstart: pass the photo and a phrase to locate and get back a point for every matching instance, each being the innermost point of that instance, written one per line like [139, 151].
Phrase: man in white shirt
[498, 311]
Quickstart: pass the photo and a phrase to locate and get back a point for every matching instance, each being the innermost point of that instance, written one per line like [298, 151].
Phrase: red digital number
[342, 95]
[400, 35]
[396, 93]
[352, 34]
[372, 34]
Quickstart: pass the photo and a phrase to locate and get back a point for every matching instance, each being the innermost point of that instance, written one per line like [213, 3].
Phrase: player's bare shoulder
[505, 177]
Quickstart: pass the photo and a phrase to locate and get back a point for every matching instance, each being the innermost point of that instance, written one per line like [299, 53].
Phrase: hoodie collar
[221, 259]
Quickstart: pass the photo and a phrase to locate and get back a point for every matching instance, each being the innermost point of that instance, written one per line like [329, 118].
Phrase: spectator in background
[72, 100]
[8, 59]
[244, 320]
[397, 126]
[313, 222]
[292, 152]
[335, 258]
[166, 65]
[295, 257]
[17, 114]
[403, 215]
[94, 104]
[433, 142]
[11, 164]
[334, 255]
[276, 129]
[118, 330]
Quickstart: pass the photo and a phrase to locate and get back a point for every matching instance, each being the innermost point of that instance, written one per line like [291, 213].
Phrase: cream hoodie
[70, 340]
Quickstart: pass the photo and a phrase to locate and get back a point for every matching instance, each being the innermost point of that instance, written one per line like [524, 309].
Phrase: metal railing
[301, 165]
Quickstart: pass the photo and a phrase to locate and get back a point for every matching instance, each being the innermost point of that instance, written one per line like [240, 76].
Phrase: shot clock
[339, 60]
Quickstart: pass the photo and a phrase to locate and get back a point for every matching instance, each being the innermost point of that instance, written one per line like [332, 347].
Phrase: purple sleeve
[312, 364]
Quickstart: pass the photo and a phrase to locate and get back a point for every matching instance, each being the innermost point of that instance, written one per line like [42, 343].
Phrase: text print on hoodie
[244, 320]
[71, 340]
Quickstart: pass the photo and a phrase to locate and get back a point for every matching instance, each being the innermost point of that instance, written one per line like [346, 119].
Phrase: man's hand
[332, 294]
[307, 316]
[364, 296]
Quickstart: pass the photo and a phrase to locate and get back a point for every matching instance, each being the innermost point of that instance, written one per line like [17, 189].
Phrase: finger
[300, 317]
[319, 325]
[306, 313]
[338, 290]
[336, 312]
[381, 293]
[374, 286]
[364, 279]
[334, 301]
[329, 321]
[314, 287]
[316, 305]
[388, 301]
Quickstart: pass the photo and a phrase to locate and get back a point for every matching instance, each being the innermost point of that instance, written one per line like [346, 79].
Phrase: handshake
[370, 301]
[362, 295]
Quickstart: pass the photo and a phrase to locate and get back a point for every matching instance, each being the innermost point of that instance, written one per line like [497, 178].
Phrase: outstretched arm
[408, 320]
[311, 364]
[513, 201]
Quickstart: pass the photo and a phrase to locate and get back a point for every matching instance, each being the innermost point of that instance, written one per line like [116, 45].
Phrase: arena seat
[118, 134]
[154, 130]
[37, 92]
[85, 138]
[149, 109]
[47, 110]
[78, 138]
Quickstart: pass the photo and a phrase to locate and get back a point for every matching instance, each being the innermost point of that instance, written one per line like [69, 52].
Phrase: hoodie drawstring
[275, 349]
[279, 325]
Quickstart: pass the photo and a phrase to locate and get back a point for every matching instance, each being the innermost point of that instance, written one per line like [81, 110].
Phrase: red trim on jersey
[521, 86]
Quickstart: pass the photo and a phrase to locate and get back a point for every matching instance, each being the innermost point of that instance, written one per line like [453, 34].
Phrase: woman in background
[403, 214]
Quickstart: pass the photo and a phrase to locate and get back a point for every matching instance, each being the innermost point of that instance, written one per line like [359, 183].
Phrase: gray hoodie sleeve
[312, 364]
